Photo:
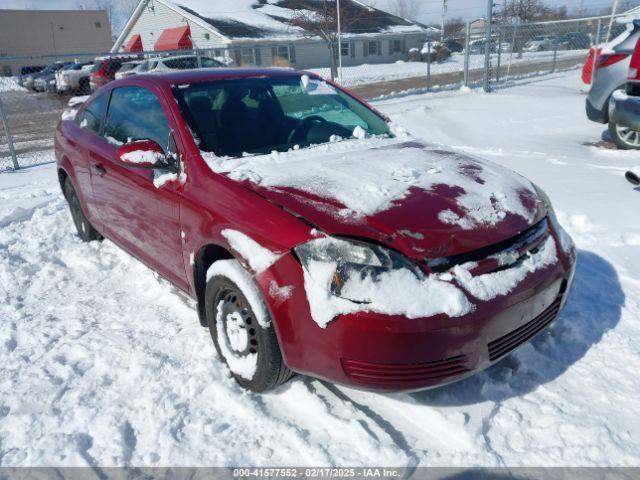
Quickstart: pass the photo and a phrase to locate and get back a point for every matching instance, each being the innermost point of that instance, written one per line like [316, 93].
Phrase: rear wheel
[624, 137]
[85, 230]
[242, 333]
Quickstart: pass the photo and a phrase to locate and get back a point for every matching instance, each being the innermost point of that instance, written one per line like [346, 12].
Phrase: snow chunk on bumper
[397, 292]
[491, 285]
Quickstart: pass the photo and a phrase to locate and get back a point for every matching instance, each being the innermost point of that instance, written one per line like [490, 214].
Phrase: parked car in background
[25, 77]
[539, 44]
[104, 70]
[454, 46]
[127, 69]
[624, 108]
[178, 62]
[45, 81]
[572, 41]
[30, 80]
[610, 74]
[74, 79]
[478, 46]
[425, 279]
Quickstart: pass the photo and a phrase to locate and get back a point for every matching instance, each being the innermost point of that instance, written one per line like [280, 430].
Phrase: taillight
[607, 59]
[634, 65]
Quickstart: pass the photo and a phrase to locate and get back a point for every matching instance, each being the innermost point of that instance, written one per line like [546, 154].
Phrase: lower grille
[507, 343]
[405, 372]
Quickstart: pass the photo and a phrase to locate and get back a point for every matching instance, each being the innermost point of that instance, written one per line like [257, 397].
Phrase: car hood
[416, 198]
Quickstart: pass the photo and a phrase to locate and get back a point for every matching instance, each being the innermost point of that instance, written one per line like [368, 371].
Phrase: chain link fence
[43, 87]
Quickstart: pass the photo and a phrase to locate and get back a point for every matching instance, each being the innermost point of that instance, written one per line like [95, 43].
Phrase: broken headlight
[334, 262]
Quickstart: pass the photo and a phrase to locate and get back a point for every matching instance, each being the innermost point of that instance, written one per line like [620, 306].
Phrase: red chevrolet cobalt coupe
[316, 236]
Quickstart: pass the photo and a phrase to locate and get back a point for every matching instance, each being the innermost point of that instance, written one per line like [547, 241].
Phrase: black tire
[270, 370]
[630, 143]
[85, 230]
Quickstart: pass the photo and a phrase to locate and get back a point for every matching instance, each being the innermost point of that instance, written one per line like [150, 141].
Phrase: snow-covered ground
[384, 72]
[102, 363]
[10, 84]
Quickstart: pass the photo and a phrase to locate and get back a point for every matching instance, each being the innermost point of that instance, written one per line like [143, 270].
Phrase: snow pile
[491, 285]
[234, 340]
[258, 257]
[10, 84]
[367, 178]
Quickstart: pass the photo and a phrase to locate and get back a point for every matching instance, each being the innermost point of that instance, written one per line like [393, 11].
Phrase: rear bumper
[625, 110]
[391, 353]
[599, 115]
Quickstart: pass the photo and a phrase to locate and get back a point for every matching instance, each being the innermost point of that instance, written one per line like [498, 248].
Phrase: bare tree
[454, 26]
[525, 10]
[409, 9]
[323, 22]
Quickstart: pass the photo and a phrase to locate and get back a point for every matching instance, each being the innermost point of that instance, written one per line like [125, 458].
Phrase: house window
[248, 56]
[98, 24]
[345, 49]
[396, 46]
[372, 48]
[207, 36]
[283, 52]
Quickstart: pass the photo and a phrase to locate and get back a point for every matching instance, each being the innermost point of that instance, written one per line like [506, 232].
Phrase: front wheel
[624, 137]
[85, 230]
[241, 329]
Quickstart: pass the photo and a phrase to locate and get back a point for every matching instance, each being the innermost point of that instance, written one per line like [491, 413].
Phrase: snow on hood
[393, 186]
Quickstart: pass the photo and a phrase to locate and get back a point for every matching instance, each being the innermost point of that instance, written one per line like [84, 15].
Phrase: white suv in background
[180, 62]
[74, 79]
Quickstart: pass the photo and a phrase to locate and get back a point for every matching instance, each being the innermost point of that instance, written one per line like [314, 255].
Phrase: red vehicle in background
[315, 236]
[104, 71]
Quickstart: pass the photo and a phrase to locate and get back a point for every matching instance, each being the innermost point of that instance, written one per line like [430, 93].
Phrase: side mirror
[145, 154]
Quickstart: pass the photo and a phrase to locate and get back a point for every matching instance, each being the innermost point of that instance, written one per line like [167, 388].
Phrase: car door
[140, 217]
[81, 140]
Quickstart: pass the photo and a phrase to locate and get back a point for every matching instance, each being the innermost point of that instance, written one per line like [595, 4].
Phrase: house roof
[271, 19]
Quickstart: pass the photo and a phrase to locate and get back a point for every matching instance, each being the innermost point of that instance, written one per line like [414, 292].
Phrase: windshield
[260, 115]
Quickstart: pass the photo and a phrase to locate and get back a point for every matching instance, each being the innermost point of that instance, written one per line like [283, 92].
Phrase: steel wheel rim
[628, 136]
[238, 321]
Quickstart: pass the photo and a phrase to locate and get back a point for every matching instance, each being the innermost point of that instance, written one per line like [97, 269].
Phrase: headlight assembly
[337, 261]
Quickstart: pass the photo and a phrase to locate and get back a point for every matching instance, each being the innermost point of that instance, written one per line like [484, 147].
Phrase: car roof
[212, 74]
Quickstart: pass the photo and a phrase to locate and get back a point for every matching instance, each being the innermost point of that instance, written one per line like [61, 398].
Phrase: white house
[261, 32]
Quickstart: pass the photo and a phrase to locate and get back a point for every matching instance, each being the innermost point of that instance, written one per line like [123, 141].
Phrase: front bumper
[382, 352]
[624, 110]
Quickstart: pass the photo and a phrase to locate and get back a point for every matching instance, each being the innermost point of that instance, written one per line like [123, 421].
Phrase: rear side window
[91, 117]
[182, 63]
[135, 113]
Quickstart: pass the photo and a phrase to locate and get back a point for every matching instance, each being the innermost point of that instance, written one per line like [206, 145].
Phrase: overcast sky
[431, 9]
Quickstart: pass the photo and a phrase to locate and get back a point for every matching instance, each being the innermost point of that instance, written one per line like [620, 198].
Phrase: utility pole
[339, 42]
[487, 46]
[444, 17]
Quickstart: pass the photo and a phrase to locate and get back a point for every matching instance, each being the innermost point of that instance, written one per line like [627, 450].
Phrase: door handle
[99, 169]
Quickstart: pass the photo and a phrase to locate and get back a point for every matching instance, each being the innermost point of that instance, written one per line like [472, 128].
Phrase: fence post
[199, 57]
[466, 54]
[499, 55]
[487, 46]
[7, 132]
[555, 58]
[429, 63]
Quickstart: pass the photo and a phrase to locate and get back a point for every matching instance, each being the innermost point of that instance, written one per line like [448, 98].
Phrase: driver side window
[135, 113]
